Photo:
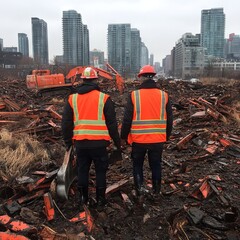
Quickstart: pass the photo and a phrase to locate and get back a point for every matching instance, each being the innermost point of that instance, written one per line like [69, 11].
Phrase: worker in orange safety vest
[147, 125]
[89, 121]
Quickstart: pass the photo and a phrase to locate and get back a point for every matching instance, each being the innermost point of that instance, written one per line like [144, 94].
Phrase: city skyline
[161, 23]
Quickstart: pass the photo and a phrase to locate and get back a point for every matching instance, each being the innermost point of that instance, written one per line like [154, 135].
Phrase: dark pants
[85, 157]
[154, 158]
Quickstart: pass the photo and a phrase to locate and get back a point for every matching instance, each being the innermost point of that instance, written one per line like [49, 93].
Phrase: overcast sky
[161, 22]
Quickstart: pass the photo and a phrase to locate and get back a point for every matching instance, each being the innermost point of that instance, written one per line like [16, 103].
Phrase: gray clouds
[161, 22]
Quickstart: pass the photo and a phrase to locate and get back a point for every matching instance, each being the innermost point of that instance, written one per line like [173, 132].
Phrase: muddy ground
[201, 177]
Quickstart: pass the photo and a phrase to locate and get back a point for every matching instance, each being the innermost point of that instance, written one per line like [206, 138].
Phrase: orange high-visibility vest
[149, 116]
[89, 119]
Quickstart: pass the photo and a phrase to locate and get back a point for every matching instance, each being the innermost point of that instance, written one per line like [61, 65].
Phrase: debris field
[200, 192]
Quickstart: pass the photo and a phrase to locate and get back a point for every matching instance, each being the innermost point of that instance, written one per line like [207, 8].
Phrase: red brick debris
[201, 171]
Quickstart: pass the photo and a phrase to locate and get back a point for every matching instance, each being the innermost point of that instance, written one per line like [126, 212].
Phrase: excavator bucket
[66, 174]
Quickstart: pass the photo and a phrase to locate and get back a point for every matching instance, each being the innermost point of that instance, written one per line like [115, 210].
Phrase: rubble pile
[201, 172]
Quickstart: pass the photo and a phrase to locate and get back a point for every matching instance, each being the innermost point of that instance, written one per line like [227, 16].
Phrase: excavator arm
[113, 76]
[119, 79]
[74, 72]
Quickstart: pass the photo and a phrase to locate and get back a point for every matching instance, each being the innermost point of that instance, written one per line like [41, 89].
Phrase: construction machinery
[43, 81]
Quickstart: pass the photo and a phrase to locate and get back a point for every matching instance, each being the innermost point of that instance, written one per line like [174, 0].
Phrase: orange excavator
[41, 81]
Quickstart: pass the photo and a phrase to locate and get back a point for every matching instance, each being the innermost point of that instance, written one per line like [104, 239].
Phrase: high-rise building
[212, 31]
[135, 51]
[173, 54]
[75, 39]
[23, 46]
[144, 55]
[86, 55]
[189, 57]
[157, 67]
[151, 59]
[40, 41]
[167, 65]
[1, 44]
[119, 47]
[233, 46]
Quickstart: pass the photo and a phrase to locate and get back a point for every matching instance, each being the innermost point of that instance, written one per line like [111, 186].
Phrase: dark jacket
[110, 118]
[128, 114]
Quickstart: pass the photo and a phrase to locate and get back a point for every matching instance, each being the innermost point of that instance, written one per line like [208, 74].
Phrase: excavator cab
[43, 79]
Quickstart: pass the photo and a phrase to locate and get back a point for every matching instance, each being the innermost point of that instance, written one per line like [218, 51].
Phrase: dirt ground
[201, 176]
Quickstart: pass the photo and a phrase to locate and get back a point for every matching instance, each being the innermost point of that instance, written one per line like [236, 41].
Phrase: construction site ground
[200, 192]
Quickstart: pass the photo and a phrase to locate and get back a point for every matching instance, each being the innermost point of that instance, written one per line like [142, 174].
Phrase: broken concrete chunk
[195, 215]
[213, 223]
[12, 208]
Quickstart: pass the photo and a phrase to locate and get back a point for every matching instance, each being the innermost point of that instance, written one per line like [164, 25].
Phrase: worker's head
[89, 74]
[147, 72]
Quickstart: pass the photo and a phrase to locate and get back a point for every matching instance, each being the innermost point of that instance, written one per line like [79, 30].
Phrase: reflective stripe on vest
[149, 118]
[91, 127]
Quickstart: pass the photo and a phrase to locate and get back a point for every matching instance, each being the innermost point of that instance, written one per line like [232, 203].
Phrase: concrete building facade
[227, 65]
[233, 46]
[189, 58]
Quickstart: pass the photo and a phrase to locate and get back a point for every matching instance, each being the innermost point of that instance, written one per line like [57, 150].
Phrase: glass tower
[23, 46]
[75, 39]
[212, 31]
[119, 47]
[40, 41]
[135, 50]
